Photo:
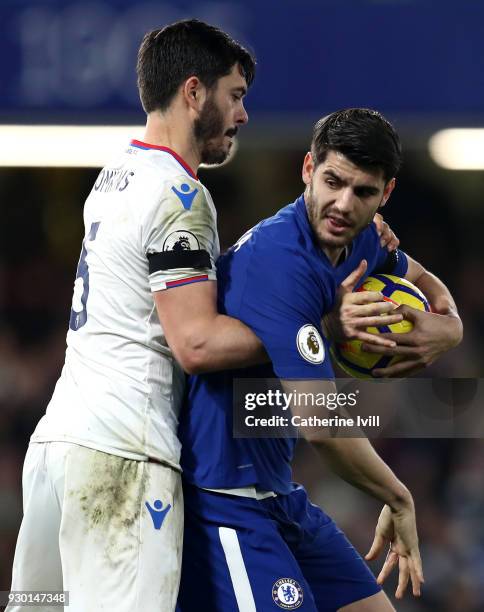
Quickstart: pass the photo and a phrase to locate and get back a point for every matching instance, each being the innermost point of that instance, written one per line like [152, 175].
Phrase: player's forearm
[442, 303]
[437, 294]
[201, 339]
[357, 462]
[220, 343]
[440, 300]
[353, 459]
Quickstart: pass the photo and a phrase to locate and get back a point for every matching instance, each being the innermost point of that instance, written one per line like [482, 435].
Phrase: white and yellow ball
[349, 356]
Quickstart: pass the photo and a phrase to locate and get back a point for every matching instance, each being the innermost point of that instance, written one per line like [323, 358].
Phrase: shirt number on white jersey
[81, 285]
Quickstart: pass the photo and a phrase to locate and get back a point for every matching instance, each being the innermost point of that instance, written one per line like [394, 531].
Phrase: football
[349, 356]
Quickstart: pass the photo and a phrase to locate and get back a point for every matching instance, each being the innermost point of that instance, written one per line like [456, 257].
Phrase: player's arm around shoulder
[181, 245]
[202, 340]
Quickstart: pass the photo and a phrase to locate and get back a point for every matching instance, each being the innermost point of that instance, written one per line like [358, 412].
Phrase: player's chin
[335, 241]
[215, 156]
[222, 154]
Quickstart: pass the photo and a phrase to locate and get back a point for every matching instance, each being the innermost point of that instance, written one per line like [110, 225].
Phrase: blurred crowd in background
[66, 61]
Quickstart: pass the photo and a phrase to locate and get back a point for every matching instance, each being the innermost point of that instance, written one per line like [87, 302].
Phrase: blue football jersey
[278, 281]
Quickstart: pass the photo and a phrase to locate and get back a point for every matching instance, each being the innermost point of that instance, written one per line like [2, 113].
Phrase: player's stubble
[209, 133]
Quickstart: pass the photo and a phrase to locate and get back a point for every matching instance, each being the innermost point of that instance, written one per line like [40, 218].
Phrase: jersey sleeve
[283, 303]
[179, 236]
[395, 263]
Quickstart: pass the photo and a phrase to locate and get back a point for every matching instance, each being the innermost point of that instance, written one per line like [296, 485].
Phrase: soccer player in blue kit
[253, 541]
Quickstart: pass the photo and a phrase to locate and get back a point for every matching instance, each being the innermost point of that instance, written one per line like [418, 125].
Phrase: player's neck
[174, 132]
[336, 255]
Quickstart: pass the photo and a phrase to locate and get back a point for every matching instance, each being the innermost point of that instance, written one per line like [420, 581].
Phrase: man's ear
[308, 168]
[389, 187]
[194, 93]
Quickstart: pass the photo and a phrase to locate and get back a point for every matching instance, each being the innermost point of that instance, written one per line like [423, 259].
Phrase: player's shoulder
[380, 261]
[161, 174]
[366, 245]
[369, 236]
[178, 199]
[285, 238]
[279, 234]
[279, 256]
[280, 227]
[158, 159]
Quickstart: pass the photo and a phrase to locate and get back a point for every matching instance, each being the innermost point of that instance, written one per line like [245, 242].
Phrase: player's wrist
[451, 324]
[402, 500]
[455, 329]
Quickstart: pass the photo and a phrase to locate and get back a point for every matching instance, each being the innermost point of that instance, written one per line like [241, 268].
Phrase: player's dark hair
[169, 56]
[362, 135]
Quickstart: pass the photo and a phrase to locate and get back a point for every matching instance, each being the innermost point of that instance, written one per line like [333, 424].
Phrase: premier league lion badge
[310, 344]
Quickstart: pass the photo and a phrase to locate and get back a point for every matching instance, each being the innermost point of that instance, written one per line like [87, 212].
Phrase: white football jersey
[150, 225]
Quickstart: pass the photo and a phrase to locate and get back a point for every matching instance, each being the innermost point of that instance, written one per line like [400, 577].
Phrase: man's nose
[345, 201]
[241, 117]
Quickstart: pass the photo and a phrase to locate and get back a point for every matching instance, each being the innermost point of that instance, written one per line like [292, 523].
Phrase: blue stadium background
[419, 63]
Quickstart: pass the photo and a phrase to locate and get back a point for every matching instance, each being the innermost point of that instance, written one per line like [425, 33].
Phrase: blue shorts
[280, 553]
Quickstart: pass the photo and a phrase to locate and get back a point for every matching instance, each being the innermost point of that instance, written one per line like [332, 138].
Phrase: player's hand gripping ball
[349, 356]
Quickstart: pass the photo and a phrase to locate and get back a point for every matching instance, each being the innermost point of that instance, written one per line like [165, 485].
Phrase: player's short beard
[314, 216]
[207, 127]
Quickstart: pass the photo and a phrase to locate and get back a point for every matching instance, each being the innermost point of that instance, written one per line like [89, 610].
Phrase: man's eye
[365, 193]
[331, 183]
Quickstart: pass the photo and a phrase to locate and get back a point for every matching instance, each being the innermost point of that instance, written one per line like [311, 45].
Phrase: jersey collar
[144, 145]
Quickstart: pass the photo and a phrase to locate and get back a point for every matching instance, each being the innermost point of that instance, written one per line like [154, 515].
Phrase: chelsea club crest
[287, 594]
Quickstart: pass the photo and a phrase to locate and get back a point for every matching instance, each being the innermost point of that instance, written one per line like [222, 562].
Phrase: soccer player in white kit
[103, 509]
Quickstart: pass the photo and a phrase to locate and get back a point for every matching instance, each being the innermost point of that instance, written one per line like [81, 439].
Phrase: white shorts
[108, 530]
